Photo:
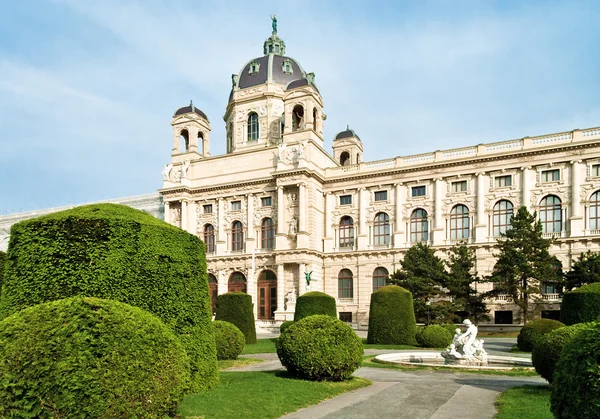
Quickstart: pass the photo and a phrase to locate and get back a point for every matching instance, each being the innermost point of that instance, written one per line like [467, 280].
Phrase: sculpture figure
[184, 168]
[307, 277]
[465, 347]
[294, 225]
[167, 171]
[468, 338]
[290, 296]
[281, 150]
[274, 23]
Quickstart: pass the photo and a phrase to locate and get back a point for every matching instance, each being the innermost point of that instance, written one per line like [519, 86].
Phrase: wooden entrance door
[267, 299]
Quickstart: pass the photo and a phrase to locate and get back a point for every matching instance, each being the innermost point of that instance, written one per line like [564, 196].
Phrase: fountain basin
[435, 359]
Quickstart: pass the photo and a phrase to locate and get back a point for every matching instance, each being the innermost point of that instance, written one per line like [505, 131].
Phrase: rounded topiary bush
[392, 317]
[581, 305]
[450, 327]
[314, 302]
[533, 331]
[229, 339]
[546, 352]
[434, 336]
[285, 325]
[576, 379]
[87, 357]
[118, 253]
[319, 348]
[237, 308]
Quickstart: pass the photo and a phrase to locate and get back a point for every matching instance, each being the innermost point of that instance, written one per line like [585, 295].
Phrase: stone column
[250, 236]
[363, 238]
[221, 283]
[576, 215]
[328, 239]
[481, 225]
[281, 242]
[221, 244]
[302, 234]
[184, 214]
[399, 224]
[301, 281]
[167, 214]
[280, 312]
[438, 230]
[526, 187]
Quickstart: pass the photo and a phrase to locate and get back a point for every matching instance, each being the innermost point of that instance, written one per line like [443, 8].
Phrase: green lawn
[262, 346]
[515, 349]
[240, 362]
[377, 346]
[531, 402]
[269, 394]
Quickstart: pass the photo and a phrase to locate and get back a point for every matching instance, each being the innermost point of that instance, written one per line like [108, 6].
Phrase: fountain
[465, 351]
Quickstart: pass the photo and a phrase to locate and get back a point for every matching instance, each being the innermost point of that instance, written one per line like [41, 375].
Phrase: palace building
[278, 208]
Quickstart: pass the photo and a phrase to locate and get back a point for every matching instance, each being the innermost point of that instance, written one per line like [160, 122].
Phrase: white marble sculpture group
[465, 348]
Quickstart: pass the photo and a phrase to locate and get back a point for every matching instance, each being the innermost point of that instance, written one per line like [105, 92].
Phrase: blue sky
[88, 88]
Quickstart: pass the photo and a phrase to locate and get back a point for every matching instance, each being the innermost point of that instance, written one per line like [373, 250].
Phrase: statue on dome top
[274, 24]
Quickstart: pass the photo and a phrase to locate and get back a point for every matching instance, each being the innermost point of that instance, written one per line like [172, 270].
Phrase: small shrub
[229, 340]
[546, 352]
[581, 305]
[392, 317]
[434, 336]
[237, 308]
[314, 302]
[575, 384]
[450, 328]
[319, 348]
[117, 253]
[88, 357]
[285, 325]
[533, 331]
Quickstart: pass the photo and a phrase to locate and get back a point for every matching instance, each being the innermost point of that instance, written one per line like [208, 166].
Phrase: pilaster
[281, 310]
[302, 241]
[363, 234]
[438, 230]
[481, 224]
[526, 187]
[399, 224]
[576, 220]
[328, 239]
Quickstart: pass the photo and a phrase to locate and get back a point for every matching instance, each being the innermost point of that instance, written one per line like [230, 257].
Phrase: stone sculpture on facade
[294, 226]
[184, 169]
[465, 348]
[167, 171]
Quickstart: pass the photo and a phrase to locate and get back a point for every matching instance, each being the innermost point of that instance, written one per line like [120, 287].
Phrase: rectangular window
[266, 202]
[346, 316]
[595, 170]
[550, 288]
[551, 175]
[207, 208]
[418, 191]
[345, 199]
[503, 181]
[503, 317]
[236, 205]
[460, 186]
[381, 196]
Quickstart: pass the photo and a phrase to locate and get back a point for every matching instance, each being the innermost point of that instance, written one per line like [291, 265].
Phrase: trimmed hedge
[320, 348]
[237, 308]
[581, 305]
[89, 358]
[392, 317]
[434, 336]
[533, 331]
[546, 352]
[118, 253]
[285, 325]
[229, 340]
[314, 302]
[451, 327]
[575, 387]
[2, 258]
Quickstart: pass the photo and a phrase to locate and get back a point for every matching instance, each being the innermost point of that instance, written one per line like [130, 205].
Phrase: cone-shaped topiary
[314, 302]
[581, 305]
[2, 258]
[392, 317]
[533, 331]
[119, 253]
[229, 339]
[434, 336]
[546, 352]
[85, 357]
[237, 308]
[575, 392]
[319, 348]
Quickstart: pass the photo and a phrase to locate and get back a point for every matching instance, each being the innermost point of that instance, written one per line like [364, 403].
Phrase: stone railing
[551, 297]
[468, 153]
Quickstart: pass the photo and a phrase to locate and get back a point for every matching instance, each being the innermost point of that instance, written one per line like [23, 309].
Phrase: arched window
[595, 211]
[267, 234]
[551, 214]
[237, 236]
[297, 118]
[380, 276]
[345, 159]
[209, 238]
[501, 216]
[213, 285]
[184, 141]
[345, 284]
[315, 119]
[253, 126]
[419, 226]
[381, 229]
[237, 282]
[346, 232]
[200, 142]
[459, 222]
